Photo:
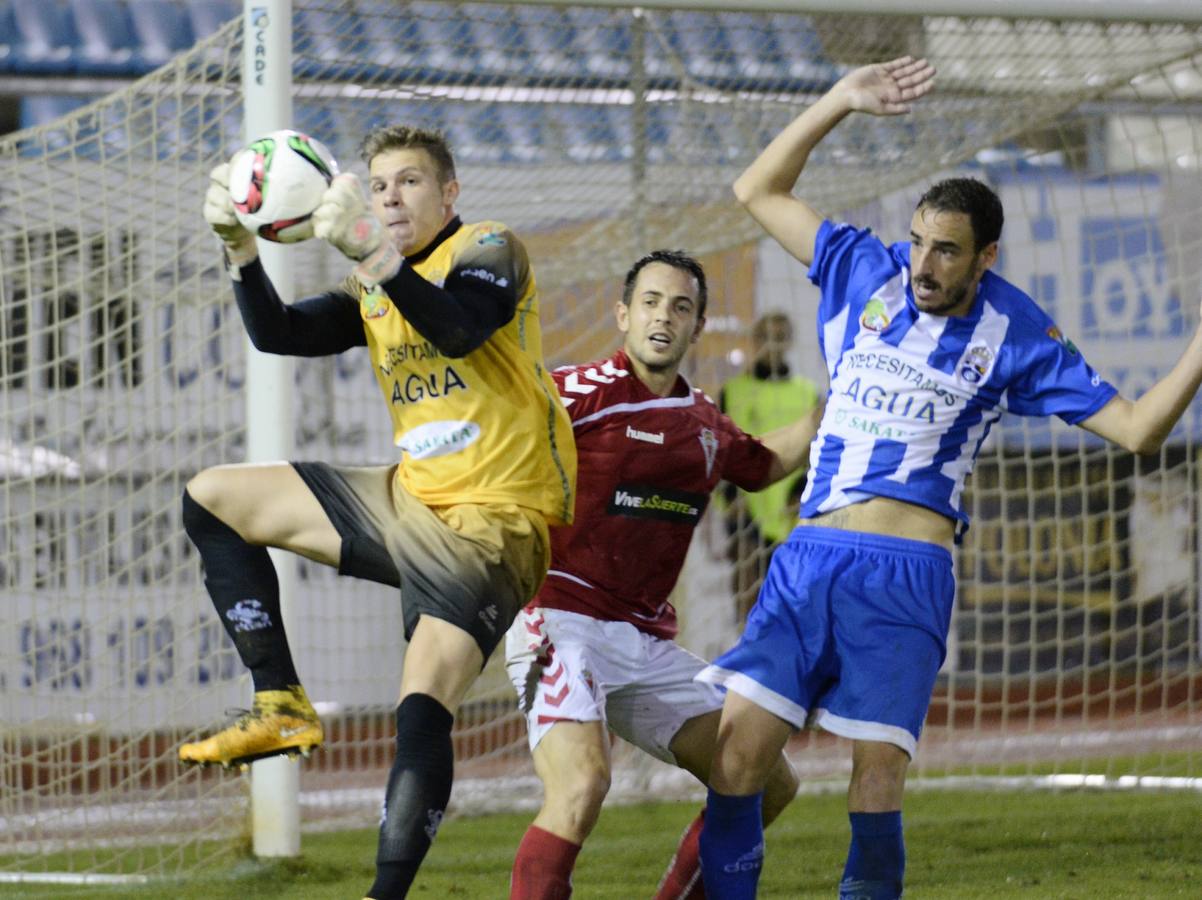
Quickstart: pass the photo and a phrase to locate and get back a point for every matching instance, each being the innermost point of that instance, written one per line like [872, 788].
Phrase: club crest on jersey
[1058, 336]
[874, 318]
[374, 304]
[975, 366]
[709, 446]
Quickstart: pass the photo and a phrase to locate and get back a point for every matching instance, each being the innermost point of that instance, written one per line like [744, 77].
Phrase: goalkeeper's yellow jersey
[487, 427]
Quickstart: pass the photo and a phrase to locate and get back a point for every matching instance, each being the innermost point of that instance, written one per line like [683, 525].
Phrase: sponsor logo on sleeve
[485, 275]
[1058, 336]
[438, 439]
[641, 501]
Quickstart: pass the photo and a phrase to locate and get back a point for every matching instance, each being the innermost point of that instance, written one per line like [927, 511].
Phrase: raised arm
[791, 444]
[1142, 425]
[765, 188]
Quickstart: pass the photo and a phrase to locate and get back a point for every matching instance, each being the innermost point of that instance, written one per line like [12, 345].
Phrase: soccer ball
[276, 183]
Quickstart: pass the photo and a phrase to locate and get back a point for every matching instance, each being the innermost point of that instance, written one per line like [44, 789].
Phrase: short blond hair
[403, 137]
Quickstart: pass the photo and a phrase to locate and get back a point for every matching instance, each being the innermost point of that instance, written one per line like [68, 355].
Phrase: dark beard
[952, 302]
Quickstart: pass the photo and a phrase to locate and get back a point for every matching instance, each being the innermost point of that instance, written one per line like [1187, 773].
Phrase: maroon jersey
[647, 465]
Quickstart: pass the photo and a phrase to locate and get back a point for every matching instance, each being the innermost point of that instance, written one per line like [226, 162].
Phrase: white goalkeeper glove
[239, 244]
[344, 219]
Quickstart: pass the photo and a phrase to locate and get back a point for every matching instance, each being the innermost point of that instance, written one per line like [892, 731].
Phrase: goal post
[597, 132]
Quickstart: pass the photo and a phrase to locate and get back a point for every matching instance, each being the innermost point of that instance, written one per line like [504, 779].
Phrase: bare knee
[578, 797]
[878, 777]
[576, 777]
[213, 489]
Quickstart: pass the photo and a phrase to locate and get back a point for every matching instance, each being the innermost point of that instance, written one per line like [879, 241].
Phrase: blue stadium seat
[806, 65]
[551, 38]
[500, 39]
[530, 137]
[393, 48]
[603, 43]
[478, 134]
[589, 134]
[46, 38]
[207, 16]
[703, 45]
[42, 109]
[9, 38]
[107, 43]
[448, 43]
[327, 43]
[163, 29]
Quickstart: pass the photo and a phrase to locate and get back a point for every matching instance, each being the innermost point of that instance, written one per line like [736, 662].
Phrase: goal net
[596, 134]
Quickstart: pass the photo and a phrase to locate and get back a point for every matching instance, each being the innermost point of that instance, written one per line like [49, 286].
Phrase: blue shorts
[849, 632]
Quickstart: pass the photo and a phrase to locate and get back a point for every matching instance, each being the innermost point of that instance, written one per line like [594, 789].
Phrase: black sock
[246, 593]
[419, 787]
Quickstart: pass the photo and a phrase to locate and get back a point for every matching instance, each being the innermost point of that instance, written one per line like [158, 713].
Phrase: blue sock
[877, 858]
[732, 846]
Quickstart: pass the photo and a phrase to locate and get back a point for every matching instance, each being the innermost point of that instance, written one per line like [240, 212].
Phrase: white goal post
[596, 131]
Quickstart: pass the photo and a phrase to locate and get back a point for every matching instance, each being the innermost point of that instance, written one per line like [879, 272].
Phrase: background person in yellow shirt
[449, 314]
[765, 397]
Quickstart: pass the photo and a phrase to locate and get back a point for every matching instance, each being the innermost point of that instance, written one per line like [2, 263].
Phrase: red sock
[542, 869]
[682, 881]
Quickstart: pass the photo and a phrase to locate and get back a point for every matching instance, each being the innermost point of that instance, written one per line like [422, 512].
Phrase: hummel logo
[291, 732]
[651, 437]
[488, 616]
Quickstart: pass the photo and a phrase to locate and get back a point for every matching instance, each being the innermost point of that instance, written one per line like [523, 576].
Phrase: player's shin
[732, 846]
[419, 787]
[246, 594]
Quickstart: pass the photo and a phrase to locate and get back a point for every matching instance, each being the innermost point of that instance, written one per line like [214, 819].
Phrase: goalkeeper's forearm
[316, 326]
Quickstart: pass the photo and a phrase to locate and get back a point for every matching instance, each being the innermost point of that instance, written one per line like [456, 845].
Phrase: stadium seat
[327, 44]
[477, 134]
[603, 42]
[107, 43]
[448, 43]
[393, 48]
[163, 29]
[589, 134]
[807, 67]
[551, 38]
[207, 16]
[503, 52]
[8, 37]
[700, 40]
[46, 38]
[529, 136]
[42, 109]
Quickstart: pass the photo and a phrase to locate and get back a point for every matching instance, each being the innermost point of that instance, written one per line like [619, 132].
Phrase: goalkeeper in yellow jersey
[449, 314]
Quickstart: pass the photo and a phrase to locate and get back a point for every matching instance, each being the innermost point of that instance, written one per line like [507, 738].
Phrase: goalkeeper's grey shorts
[473, 565]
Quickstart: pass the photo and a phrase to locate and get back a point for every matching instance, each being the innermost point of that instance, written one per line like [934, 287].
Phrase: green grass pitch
[1076, 844]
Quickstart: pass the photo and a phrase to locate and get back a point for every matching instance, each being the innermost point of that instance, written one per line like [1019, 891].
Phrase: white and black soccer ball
[277, 181]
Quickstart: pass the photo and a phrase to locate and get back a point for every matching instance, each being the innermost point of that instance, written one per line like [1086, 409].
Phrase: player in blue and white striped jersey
[925, 348]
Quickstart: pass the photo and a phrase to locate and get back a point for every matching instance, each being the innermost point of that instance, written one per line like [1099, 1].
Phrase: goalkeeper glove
[239, 244]
[344, 219]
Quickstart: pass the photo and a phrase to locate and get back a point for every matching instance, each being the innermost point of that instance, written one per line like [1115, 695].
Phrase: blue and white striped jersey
[914, 395]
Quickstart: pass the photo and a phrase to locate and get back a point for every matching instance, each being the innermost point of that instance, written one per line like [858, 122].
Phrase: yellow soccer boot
[279, 723]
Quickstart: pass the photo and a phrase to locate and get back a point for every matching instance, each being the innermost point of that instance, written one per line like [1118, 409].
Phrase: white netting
[596, 134]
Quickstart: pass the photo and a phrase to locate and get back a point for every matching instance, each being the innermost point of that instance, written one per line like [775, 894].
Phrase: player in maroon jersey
[595, 647]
